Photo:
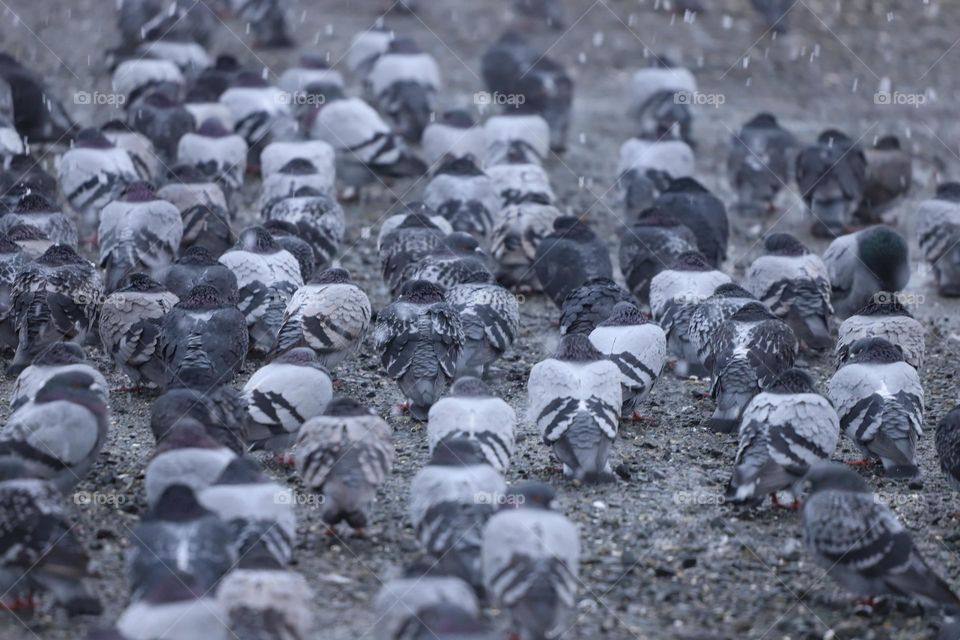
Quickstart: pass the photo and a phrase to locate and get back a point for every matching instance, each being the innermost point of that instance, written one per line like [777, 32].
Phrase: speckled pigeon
[760, 163]
[516, 234]
[197, 266]
[831, 175]
[707, 317]
[463, 194]
[490, 316]
[415, 238]
[285, 235]
[888, 320]
[199, 395]
[459, 260]
[36, 210]
[318, 218]
[590, 304]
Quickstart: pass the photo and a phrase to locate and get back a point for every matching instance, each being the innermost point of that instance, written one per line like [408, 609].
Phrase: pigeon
[419, 338]
[149, 20]
[490, 316]
[178, 536]
[649, 245]
[197, 266]
[261, 113]
[674, 294]
[201, 396]
[785, 430]
[285, 235]
[880, 401]
[689, 202]
[569, 257]
[516, 234]
[760, 163]
[345, 455]
[639, 349]
[204, 332]
[190, 57]
[403, 603]
[938, 233]
[282, 395]
[366, 46]
[36, 210]
[290, 178]
[516, 139]
[947, 445]
[138, 147]
[12, 259]
[459, 260]
[590, 304]
[531, 562]
[471, 411]
[311, 69]
[865, 266]
[203, 210]
[403, 82]
[451, 499]
[574, 399]
[795, 285]
[258, 511]
[393, 221]
[888, 179]
[59, 357]
[520, 181]
[661, 101]
[58, 435]
[32, 241]
[164, 121]
[319, 221]
[453, 135]
[707, 316]
[646, 168]
[188, 187]
[750, 350]
[130, 323]
[831, 175]
[401, 249]
[94, 173]
[888, 320]
[266, 20]
[775, 14]
[138, 233]
[38, 116]
[267, 276]
[218, 153]
[463, 194]
[40, 546]
[186, 455]
[174, 607]
[140, 77]
[860, 542]
[24, 174]
[535, 83]
[56, 297]
[280, 153]
[330, 315]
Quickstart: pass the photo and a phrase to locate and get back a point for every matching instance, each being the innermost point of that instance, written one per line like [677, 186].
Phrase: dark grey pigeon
[21, 175]
[38, 211]
[866, 266]
[459, 260]
[12, 260]
[179, 536]
[831, 175]
[32, 241]
[887, 319]
[750, 350]
[59, 357]
[702, 212]
[862, 545]
[775, 13]
[285, 234]
[401, 249]
[203, 209]
[760, 163]
[879, 398]
[318, 218]
[39, 546]
[490, 316]
[220, 408]
[38, 115]
[709, 315]
[785, 429]
[419, 338]
[267, 22]
[197, 266]
[650, 244]
[463, 194]
[947, 443]
[164, 121]
[206, 333]
[591, 303]
[938, 233]
[889, 178]
[569, 257]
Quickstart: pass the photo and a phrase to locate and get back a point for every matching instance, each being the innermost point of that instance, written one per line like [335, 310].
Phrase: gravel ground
[663, 557]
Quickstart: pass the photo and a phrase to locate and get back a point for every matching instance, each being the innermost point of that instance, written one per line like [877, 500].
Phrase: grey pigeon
[38, 211]
[795, 285]
[453, 134]
[93, 173]
[490, 316]
[330, 314]
[178, 536]
[463, 194]
[319, 221]
[131, 320]
[888, 179]
[590, 304]
[760, 163]
[186, 455]
[285, 235]
[574, 400]
[56, 297]
[12, 259]
[267, 276]
[23, 174]
[471, 411]
[146, 20]
[217, 152]
[175, 607]
[460, 260]
[866, 266]
[32, 241]
[296, 174]
[646, 168]
[750, 350]
[197, 266]
[639, 349]
[404, 82]
[403, 603]
[345, 455]
[516, 234]
[39, 544]
[831, 175]
[38, 115]
[199, 395]
[889, 320]
[706, 318]
[879, 398]
[938, 233]
[138, 233]
[419, 338]
[137, 146]
[702, 212]
[861, 544]
[267, 22]
[445, 621]
[164, 121]
[569, 257]
[531, 562]
[260, 112]
[203, 209]
[775, 14]
[947, 442]
[416, 237]
[203, 332]
[319, 154]
[661, 101]
[674, 294]
[282, 395]
[451, 499]
[58, 435]
[59, 357]
[650, 244]
[785, 430]
[258, 511]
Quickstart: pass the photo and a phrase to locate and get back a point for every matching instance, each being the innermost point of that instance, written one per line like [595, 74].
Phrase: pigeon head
[92, 138]
[60, 255]
[213, 128]
[763, 121]
[78, 387]
[888, 143]
[691, 261]
[345, 407]
[624, 315]
[300, 357]
[884, 252]
[459, 118]
[732, 290]
[874, 351]
[242, 470]
[202, 297]
[177, 503]
[576, 347]
[187, 174]
[792, 381]
[139, 192]
[457, 452]
[199, 256]
[686, 185]
[141, 283]
[60, 353]
[832, 137]
[470, 387]
[8, 246]
[35, 203]
[830, 476]
[530, 494]
[459, 166]
[257, 240]
[298, 167]
[784, 244]
[26, 233]
[421, 292]
[573, 228]
[752, 312]
[949, 191]
[186, 433]
[884, 305]
[333, 275]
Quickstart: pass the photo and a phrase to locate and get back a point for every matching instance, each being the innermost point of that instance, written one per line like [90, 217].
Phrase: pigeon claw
[284, 459]
[862, 462]
[636, 416]
[20, 603]
[789, 506]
